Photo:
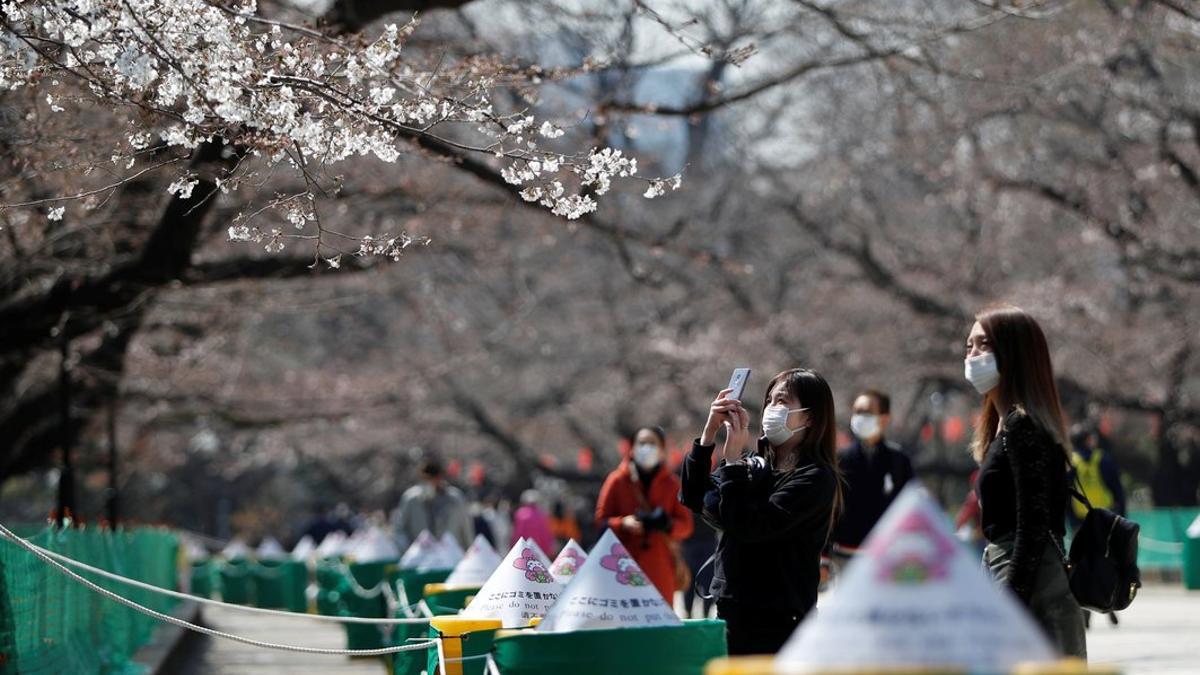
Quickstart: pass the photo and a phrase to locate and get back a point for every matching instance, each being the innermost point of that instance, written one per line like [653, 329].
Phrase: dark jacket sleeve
[905, 471]
[1031, 451]
[696, 476]
[909, 472]
[803, 498]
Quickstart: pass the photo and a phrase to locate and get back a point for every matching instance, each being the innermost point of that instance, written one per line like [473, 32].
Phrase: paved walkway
[202, 655]
[1158, 635]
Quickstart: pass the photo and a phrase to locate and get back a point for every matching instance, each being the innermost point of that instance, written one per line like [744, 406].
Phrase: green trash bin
[1191, 556]
[414, 582]
[363, 596]
[330, 585]
[665, 650]
[236, 582]
[202, 578]
[413, 662]
[279, 584]
[444, 599]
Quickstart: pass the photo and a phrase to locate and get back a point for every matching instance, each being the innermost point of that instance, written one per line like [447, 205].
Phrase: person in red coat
[639, 504]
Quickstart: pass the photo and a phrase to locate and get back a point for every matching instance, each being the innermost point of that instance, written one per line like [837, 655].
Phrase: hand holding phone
[737, 383]
[727, 403]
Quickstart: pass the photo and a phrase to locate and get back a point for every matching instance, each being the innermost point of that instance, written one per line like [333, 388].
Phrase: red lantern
[475, 474]
[954, 429]
[843, 439]
[927, 433]
[584, 460]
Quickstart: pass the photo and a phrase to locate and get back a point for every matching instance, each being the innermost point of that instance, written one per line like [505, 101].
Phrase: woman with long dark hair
[1021, 445]
[773, 504]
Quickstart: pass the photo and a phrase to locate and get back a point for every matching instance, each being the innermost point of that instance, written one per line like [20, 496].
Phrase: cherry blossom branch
[215, 70]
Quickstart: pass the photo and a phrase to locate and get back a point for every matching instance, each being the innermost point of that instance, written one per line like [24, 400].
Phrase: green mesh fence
[52, 624]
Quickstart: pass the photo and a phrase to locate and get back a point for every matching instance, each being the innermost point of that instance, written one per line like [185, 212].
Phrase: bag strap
[696, 577]
[1078, 494]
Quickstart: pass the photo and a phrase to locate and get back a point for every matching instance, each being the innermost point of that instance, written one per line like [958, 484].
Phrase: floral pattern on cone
[609, 590]
[568, 562]
[520, 589]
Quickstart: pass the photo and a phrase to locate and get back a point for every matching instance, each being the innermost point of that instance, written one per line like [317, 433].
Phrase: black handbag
[1102, 565]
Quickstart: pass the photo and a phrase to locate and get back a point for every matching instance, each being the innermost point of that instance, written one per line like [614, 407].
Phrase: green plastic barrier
[202, 578]
[330, 586]
[408, 663]
[236, 582]
[50, 623]
[363, 596]
[1160, 544]
[448, 600]
[1191, 560]
[415, 582]
[668, 650]
[280, 584]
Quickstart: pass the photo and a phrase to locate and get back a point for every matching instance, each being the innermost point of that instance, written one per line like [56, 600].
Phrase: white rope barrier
[1160, 546]
[204, 629]
[358, 589]
[423, 608]
[52, 558]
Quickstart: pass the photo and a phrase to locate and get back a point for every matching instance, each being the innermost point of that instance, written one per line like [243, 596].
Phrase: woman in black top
[773, 507]
[1022, 486]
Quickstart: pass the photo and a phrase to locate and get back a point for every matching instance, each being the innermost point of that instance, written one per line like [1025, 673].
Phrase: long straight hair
[1026, 377]
[819, 444]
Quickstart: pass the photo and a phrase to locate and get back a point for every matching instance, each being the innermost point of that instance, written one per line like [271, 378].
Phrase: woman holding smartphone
[1022, 446]
[773, 502]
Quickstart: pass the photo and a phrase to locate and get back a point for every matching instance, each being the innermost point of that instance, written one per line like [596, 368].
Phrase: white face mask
[982, 372]
[774, 424]
[865, 425]
[645, 455]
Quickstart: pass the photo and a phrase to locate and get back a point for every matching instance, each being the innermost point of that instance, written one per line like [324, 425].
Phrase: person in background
[966, 523]
[497, 511]
[530, 521]
[563, 524]
[481, 524]
[434, 505]
[638, 503]
[1098, 475]
[326, 521]
[874, 468]
[1023, 450]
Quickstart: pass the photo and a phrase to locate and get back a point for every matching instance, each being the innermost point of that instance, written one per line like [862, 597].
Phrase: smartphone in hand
[737, 383]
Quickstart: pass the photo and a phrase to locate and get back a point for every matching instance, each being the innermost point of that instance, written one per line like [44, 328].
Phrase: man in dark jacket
[875, 469]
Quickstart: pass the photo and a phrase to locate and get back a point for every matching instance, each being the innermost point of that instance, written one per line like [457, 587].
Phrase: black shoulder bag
[1102, 565]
